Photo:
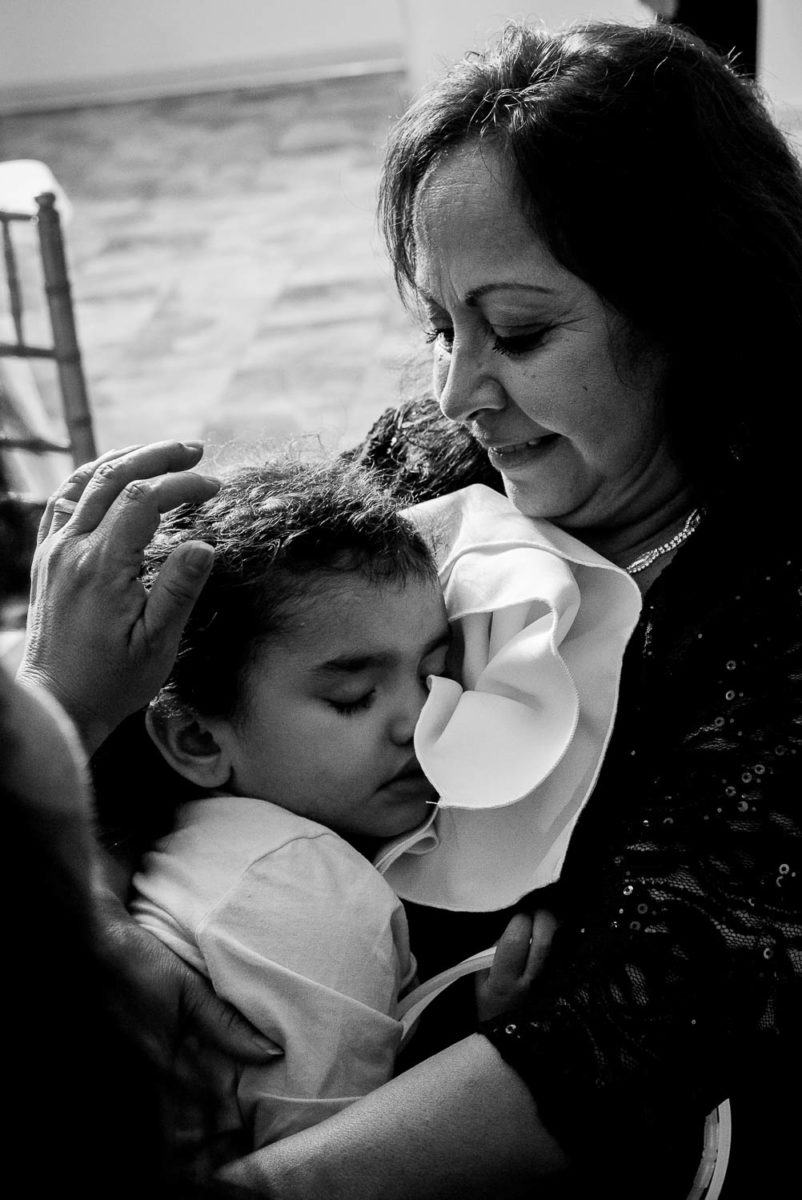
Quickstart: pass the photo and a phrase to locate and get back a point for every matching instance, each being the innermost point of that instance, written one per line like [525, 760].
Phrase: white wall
[780, 52]
[77, 51]
[61, 51]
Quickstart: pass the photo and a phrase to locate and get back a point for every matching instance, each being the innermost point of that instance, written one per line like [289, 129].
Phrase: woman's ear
[186, 743]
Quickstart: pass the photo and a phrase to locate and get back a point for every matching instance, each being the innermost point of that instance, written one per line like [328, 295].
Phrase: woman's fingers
[62, 504]
[59, 514]
[174, 1000]
[171, 598]
[143, 463]
[134, 515]
[218, 1024]
[136, 474]
[95, 486]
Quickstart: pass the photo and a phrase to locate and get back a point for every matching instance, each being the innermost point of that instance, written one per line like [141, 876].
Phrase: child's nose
[409, 703]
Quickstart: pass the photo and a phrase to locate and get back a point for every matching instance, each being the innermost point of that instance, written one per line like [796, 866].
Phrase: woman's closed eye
[516, 344]
[512, 345]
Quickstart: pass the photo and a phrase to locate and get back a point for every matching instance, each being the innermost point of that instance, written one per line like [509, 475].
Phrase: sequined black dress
[676, 977]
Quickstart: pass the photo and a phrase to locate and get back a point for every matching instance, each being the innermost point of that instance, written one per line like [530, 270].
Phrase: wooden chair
[26, 426]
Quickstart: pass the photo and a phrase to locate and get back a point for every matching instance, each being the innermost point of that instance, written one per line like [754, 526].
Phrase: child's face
[331, 707]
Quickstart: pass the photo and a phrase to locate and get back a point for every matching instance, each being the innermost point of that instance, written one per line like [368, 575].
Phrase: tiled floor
[229, 280]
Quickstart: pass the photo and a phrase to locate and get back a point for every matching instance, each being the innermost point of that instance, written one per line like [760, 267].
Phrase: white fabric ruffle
[542, 622]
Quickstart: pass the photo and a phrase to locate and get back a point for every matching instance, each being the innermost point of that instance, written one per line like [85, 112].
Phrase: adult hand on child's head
[520, 954]
[96, 639]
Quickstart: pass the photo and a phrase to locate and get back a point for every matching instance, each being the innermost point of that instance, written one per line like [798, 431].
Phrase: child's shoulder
[222, 837]
[226, 848]
[237, 848]
[245, 826]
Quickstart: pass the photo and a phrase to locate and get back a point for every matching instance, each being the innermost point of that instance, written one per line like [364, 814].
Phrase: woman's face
[533, 361]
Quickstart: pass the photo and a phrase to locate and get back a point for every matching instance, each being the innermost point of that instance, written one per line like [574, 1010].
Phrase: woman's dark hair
[653, 172]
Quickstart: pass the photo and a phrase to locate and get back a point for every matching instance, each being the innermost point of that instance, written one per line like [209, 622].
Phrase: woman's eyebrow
[476, 294]
[473, 297]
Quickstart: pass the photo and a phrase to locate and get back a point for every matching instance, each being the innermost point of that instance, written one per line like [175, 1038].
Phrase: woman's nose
[465, 385]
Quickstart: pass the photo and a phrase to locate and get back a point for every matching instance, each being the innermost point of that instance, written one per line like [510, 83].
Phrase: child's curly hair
[281, 532]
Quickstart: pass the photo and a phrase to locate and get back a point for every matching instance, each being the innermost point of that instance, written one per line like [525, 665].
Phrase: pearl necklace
[649, 556]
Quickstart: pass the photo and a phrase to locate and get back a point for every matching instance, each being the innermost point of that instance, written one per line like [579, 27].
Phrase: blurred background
[217, 163]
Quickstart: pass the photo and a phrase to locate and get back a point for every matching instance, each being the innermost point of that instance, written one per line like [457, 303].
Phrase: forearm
[461, 1125]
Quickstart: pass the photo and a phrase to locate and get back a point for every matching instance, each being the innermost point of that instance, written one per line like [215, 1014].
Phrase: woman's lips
[506, 454]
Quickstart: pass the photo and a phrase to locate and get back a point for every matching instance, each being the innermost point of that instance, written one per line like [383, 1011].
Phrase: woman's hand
[173, 1003]
[520, 954]
[96, 639]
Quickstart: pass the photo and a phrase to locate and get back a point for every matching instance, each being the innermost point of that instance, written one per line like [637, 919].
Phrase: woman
[84, 1081]
[603, 232]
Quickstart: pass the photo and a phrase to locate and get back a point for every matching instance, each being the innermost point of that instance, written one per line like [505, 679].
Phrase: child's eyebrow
[353, 663]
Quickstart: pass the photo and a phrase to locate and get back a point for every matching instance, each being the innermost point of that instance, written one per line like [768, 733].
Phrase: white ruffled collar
[515, 750]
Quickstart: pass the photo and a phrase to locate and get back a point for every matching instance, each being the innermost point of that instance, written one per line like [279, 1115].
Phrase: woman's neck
[625, 544]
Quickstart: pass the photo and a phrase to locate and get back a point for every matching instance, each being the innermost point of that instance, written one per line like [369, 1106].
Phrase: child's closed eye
[348, 707]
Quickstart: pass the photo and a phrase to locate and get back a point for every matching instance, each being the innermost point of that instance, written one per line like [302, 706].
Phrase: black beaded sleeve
[675, 978]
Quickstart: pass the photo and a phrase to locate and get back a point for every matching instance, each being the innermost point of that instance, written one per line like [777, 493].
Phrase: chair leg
[68, 355]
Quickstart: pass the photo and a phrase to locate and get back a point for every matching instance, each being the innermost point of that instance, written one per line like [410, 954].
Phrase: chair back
[26, 425]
